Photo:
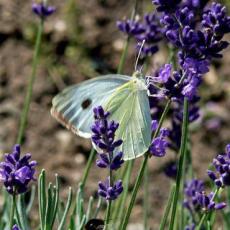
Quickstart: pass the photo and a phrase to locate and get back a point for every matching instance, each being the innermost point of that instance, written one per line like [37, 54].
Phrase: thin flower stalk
[88, 166]
[12, 211]
[122, 202]
[24, 115]
[167, 209]
[146, 197]
[126, 46]
[181, 162]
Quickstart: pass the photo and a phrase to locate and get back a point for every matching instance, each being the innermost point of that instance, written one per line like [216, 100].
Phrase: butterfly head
[138, 74]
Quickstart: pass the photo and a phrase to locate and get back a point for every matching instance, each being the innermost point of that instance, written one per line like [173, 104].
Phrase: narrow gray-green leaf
[62, 224]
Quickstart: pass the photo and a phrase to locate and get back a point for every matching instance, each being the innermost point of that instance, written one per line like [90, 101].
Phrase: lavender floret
[159, 144]
[221, 175]
[42, 10]
[110, 192]
[15, 172]
[206, 202]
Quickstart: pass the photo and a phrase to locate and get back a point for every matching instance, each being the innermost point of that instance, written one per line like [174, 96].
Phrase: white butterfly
[123, 96]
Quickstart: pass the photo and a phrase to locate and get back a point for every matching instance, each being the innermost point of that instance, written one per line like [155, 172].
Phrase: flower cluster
[110, 192]
[103, 138]
[42, 10]
[221, 176]
[191, 189]
[160, 143]
[197, 31]
[198, 38]
[148, 31]
[206, 202]
[16, 172]
[197, 200]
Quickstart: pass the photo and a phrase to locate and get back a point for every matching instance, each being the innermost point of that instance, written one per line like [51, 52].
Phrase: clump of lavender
[42, 10]
[104, 138]
[221, 175]
[15, 172]
[197, 201]
[206, 202]
[191, 189]
[197, 31]
[148, 30]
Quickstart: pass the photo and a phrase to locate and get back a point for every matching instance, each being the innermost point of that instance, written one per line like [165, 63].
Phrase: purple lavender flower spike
[216, 20]
[148, 30]
[104, 131]
[43, 10]
[130, 27]
[159, 144]
[16, 173]
[108, 192]
[15, 227]
[206, 202]
[191, 189]
[221, 175]
[104, 138]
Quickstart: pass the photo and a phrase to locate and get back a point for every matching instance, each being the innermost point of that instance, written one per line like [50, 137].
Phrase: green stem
[146, 196]
[109, 204]
[18, 215]
[228, 198]
[12, 211]
[24, 115]
[126, 46]
[88, 166]
[123, 56]
[108, 215]
[141, 171]
[167, 209]
[122, 201]
[184, 139]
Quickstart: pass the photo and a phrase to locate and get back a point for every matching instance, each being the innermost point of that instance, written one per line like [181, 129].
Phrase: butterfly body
[123, 96]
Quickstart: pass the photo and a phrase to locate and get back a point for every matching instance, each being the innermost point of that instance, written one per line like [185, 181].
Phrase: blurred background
[81, 41]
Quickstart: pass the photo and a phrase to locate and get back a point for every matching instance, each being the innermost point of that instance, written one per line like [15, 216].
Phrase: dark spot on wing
[86, 103]
[95, 224]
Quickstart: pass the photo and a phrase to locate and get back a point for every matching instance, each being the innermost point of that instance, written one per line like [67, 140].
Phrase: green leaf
[62, 224]
[42, 197]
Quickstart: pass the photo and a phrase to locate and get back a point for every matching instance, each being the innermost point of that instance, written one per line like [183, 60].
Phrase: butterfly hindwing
[74, 106]
[129, 105]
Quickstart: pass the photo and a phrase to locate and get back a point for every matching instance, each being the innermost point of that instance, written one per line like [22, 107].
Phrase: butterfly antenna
[139, 54]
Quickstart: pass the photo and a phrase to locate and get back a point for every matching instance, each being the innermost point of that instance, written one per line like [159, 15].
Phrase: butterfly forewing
[129, 105]
[73, 107]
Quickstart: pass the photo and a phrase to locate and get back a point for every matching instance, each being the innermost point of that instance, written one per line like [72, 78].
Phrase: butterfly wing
[129, 105]
[73, 107]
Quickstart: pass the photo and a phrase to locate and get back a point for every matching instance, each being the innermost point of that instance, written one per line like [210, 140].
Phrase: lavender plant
[194, 32]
